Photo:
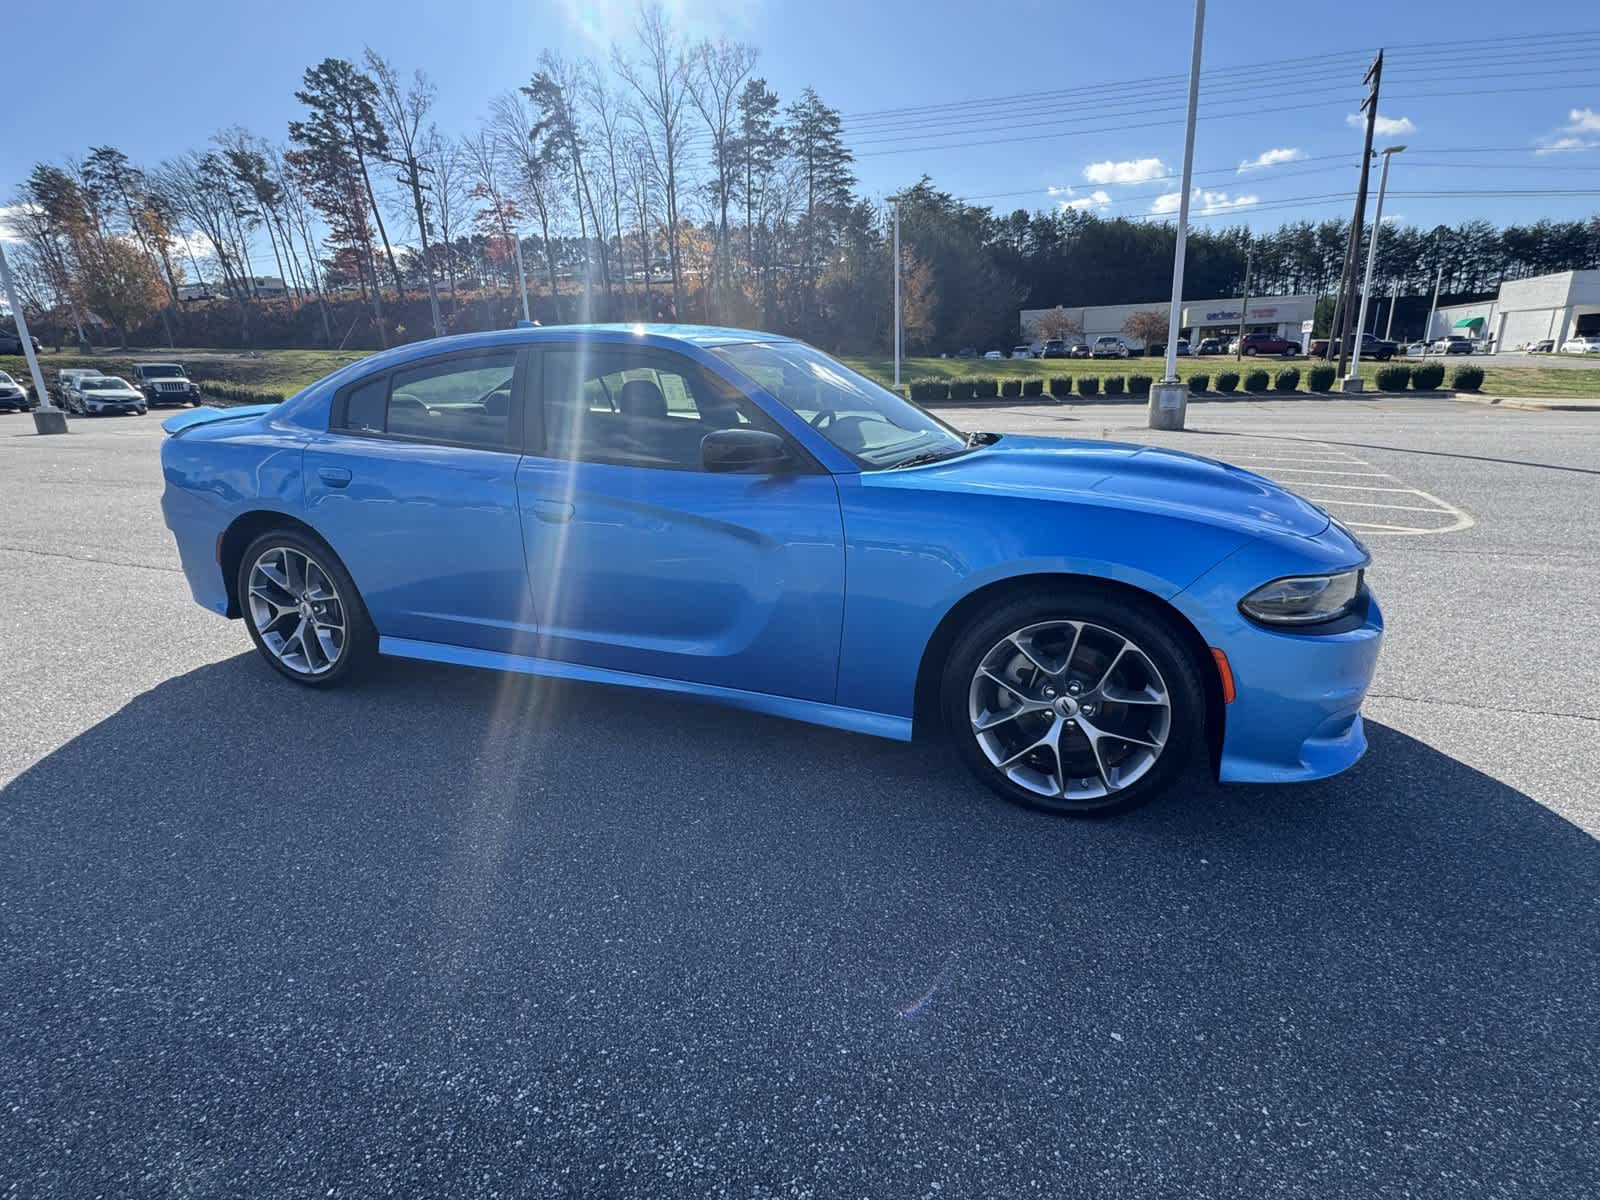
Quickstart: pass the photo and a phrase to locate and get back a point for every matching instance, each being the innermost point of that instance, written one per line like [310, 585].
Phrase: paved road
[459, 935]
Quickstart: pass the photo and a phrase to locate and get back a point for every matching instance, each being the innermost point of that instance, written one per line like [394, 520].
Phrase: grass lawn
[283, 372]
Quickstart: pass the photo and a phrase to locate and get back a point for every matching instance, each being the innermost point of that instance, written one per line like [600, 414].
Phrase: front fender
[912, 555]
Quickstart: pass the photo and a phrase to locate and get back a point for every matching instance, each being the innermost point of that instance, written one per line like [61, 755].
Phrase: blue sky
[1013, 98]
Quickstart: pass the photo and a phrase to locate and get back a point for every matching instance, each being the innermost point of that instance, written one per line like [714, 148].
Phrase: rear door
[642, 561]
[415, 487]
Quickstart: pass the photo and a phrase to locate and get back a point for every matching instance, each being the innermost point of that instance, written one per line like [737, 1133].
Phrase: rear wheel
[302, 609]
[1074, 702]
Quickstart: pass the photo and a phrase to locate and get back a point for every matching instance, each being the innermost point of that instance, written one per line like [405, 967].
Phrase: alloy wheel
[296, 609]
[1069, 710]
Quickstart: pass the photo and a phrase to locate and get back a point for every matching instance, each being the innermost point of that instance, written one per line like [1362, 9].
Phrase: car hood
[1141, 476]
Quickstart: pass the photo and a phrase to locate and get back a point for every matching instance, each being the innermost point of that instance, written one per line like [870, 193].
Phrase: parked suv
[1054, 348]
[1263, 343]
[1371, 347]
[1110, 346]
[11, 343]
[165, 383]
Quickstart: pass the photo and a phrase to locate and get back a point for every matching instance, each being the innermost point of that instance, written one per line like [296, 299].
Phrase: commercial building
[1280, 315]
[1559, 306]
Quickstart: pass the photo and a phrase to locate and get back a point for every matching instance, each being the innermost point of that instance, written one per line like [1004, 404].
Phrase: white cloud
[1059, 190]
[1133, 170]
[1577, 134]
[1394, 219]
[8, 229]
[1099, 198]
[1203, 202]
[1383, 126]
[1271, 158]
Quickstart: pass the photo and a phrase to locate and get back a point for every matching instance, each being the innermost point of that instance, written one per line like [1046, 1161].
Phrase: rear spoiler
[174, 425]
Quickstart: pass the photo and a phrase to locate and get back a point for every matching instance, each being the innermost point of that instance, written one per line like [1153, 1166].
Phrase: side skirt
[853, 720]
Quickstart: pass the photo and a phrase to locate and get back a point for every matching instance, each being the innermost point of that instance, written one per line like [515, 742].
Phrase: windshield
[159, 370]
[871, 424]
[4, 378]
[105, 383]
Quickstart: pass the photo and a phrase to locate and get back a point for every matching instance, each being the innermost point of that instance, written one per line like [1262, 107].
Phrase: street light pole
[1169, 399]
[1372, 255]
[47, 418]
[1394, 298]
[897, 295]
[522, 277]
[1427, 330]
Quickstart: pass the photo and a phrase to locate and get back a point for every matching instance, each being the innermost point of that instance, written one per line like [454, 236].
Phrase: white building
[1559, 306]
[1281, 315]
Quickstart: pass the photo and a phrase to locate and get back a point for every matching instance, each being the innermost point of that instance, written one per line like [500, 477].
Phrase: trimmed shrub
[1139, 385]
[1394, 379]
[1011, 387]
[1427, 377]
[986, 388]
[1256, 381]
[1033, 387]
[1088, 385]
[1287, 379]
[930, 391]
[1227, 381]
[1467, 379]
[1199, 382]
[1320, 379]
[1114, 385]
[961, 389]
[1061, 385]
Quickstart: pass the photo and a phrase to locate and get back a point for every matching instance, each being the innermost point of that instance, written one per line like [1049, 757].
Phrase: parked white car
[67, 382]
[993, 356]
[1588, 344]
[101, 394]
[1022, 352]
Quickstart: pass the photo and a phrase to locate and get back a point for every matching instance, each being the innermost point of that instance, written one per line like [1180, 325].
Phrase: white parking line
[1333, 469]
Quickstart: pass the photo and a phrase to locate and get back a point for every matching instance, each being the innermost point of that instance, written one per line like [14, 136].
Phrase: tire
[1057, 677]
[310, 664]
[1249, 351]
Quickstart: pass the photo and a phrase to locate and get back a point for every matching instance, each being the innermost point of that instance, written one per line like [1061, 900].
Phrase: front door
[415, 487]
[642, 561]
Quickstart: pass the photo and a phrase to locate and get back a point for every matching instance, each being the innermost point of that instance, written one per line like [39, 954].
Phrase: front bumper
[1296, 714]
[95, 408]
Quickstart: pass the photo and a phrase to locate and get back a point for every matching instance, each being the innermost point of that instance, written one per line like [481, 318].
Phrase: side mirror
[742, 450]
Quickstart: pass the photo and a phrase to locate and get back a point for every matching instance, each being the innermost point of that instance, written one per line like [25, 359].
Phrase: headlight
[1304, 599]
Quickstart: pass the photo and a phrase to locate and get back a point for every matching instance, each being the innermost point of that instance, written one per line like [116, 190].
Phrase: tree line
[667, 182]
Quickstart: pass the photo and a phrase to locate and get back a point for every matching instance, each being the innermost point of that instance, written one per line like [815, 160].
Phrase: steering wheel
[823, 419]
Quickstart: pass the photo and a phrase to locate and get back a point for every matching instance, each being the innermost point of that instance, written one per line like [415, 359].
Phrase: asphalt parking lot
[453, 934]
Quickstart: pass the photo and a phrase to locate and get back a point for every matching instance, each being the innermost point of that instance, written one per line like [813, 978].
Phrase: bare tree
[660, 80]
[297, 219]
[403, 111]
[524, 143]
[607, 114]
[446, 168]
[636, 170]
[720, 71]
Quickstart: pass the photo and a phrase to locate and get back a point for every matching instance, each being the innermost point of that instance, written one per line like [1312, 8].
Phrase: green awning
[1468, 323]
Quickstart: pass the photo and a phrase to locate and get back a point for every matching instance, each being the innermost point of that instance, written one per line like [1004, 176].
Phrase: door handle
[557, 512]
[334, 476]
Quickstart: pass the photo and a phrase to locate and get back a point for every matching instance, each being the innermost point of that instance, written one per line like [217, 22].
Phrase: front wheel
[1249, 351]
[302, 609]
[1075, 702]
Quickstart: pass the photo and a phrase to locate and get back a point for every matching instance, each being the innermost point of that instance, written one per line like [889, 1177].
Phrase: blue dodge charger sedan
[736, 516]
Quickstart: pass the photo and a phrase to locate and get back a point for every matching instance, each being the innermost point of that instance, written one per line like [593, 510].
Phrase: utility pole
[897, 295]
[1244, 307]
[1372, 257]
[1374, 77]
[46, 417]
[1427, 330]
[1394, 298]
[522, 278]
[1169, 399]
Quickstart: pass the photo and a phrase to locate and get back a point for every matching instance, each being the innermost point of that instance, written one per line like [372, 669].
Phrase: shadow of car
[459, 932]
